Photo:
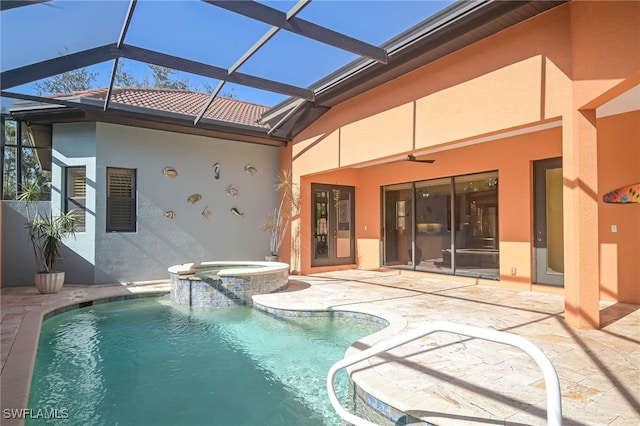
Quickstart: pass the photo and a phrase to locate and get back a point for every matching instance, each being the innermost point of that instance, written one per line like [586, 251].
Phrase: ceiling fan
[411, 157]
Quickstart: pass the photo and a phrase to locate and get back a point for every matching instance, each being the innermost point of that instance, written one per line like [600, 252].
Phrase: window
[121, 200]
[26, 158]
[76, 192]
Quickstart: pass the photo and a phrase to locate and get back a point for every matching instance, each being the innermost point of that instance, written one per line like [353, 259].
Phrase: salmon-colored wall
[604, 46]
[619, 165]
[541, 72]
[512, 157]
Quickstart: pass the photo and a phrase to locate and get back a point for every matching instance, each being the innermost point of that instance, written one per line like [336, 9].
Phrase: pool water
[148, 361]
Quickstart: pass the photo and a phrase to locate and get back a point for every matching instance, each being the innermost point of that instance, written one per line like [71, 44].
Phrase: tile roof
[180, 101]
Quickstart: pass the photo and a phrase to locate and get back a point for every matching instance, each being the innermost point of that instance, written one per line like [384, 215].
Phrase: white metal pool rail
[554, 403]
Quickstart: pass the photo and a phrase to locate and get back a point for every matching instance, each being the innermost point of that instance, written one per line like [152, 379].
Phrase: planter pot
[49, 282]
[271, 258]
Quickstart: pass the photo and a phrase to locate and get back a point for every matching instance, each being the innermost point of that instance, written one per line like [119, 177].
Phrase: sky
[204, 33]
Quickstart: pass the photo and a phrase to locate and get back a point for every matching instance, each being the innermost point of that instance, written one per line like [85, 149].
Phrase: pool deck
[442, 378]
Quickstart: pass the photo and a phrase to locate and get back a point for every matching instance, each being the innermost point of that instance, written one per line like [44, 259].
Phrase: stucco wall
[160, 242]
[549, 71]
[75, 145]
[619, 165]
[95, 256]
[18, 264]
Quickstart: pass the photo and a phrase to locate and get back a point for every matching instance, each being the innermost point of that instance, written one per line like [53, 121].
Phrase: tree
[208, 88]
[124, 77]
[161, 79]
[67, 82]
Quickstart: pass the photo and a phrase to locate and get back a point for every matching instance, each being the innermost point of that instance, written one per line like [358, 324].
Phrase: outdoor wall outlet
[514, 270]
[614, 228]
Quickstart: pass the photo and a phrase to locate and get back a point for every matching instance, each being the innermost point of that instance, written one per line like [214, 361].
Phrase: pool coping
[263, 267]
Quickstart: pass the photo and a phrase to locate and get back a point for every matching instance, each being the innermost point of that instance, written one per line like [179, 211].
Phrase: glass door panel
[321, 214]
[333, 230]
[343, 204]
[548, 222]
[476, 217]
[398, 226]
[433, 225]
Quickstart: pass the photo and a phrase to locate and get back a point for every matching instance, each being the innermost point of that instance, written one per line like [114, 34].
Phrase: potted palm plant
[278, 221]
[46, 233]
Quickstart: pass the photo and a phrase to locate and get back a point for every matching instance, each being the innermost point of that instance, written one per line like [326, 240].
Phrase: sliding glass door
[447, 225]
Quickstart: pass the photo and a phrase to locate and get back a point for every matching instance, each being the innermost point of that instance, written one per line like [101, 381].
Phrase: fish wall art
[623, 195]
[216, 171]
[206, 213]
[170, 172]
[170, 214]
[236, 212]
[194, 198]
[232, 191]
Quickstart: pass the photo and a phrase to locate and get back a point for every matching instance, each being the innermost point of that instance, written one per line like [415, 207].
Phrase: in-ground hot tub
[225, 283]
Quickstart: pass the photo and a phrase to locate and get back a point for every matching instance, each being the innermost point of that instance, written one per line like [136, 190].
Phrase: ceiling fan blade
[411, 157]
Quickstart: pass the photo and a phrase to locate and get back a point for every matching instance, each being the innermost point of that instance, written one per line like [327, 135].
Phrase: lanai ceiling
[298, 58]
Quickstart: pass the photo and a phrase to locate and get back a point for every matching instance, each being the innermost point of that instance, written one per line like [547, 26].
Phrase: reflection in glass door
[433, 225]
[548, 227]
[333, 230]
[446, 225]
[398, 226]
[476, 239]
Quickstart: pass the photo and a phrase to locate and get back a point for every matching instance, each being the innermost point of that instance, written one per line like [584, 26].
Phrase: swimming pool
[149, 361]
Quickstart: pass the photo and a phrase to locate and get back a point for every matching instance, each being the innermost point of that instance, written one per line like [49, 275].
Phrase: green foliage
[208, 88]
[124, 77]
[67, 82]
[46, 231]
[162, 80]
[278, 221]
[31, 168]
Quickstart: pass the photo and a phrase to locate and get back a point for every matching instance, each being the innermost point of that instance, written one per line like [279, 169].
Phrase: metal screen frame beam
[123, 34]
[297, 8]
[59, 65]
[193, 67]
[269, 15]
[13, 4]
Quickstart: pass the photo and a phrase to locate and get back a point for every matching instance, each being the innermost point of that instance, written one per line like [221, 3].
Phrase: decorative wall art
[232, 191]
[170, 214]
[170, 172]
[206, 213]
[250, 168]
[194, 198]
[623, 195]
[216, 170]
[236, 212]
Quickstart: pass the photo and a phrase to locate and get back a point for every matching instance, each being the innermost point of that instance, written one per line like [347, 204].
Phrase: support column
[580, 175]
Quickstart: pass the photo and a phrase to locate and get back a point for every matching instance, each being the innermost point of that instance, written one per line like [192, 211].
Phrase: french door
[548, 239]
[333, 216]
